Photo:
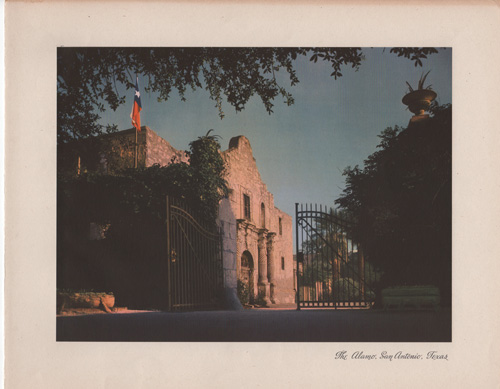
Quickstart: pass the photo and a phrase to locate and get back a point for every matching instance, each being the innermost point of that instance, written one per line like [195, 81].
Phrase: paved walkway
[261, 325]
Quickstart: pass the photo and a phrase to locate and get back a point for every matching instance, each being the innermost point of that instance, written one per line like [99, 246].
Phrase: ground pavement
[260, 325]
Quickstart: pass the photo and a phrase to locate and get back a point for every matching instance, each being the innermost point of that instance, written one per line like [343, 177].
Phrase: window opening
[246, 207]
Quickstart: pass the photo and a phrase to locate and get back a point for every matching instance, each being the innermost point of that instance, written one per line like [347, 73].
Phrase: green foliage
[401, 200]
[208, 167]
[415, 54]
[243, 292]
[330, 246]
[88, 79]
[326, 246]
[420, 83]
[321, 269]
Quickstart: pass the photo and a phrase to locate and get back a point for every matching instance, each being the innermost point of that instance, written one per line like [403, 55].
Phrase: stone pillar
[262, 257]
[271, 265]
[239, 248]
[263, 284]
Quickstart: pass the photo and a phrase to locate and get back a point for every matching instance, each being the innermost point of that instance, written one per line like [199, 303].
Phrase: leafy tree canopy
[401, 199]
[88, 79]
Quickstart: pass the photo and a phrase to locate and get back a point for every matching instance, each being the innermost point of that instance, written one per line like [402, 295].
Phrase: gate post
[297, 256]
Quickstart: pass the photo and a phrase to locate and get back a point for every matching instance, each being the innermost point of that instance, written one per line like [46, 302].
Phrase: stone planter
[419, 101]
[104, 301]
[416, 297]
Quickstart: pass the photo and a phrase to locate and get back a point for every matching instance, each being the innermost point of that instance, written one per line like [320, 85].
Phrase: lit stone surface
[244, 179]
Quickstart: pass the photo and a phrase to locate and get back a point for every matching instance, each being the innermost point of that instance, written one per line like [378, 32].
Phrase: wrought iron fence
[331, 268]
[194, 252]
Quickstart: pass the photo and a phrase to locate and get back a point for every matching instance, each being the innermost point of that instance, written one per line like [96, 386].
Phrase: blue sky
[301, 150]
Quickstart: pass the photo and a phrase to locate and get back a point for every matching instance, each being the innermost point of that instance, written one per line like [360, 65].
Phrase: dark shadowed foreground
[260, 326]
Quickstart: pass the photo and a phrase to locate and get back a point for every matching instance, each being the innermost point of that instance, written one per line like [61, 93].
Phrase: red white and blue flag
[135, 115]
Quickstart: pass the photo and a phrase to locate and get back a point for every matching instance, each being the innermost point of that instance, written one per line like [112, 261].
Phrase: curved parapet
[239, 141]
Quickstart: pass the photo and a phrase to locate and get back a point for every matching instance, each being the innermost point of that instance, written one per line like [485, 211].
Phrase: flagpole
[135, 125]
[135, 164]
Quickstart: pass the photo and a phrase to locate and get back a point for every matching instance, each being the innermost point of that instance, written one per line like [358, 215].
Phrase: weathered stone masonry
[151, 149]
[257, 229]
[256, 233]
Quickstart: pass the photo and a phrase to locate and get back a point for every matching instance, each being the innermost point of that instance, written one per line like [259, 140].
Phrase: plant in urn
[419, 101]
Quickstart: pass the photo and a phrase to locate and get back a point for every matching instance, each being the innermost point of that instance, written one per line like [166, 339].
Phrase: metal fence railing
[331, 268]
[194, 252]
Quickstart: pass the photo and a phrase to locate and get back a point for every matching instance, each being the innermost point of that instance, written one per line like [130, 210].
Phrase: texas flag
[135, 115]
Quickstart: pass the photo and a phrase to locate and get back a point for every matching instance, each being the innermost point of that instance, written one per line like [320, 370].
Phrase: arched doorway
[247, 273]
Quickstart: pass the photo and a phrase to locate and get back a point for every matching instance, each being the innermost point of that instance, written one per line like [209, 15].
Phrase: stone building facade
[257, 242]
[258, 246]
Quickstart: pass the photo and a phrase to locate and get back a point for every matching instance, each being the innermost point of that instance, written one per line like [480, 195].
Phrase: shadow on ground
[260, 326]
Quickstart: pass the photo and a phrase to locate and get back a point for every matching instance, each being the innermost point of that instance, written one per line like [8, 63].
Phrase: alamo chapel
[257, 236]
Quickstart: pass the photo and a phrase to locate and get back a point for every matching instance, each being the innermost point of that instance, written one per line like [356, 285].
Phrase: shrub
[243, 292]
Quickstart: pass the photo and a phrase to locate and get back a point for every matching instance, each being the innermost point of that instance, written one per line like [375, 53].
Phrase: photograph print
[254, 194]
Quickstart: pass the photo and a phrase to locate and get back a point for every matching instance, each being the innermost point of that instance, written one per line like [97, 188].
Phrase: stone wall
[120, 150]
[159, 151]
[152, 149]
[227, 222]
[284, 274]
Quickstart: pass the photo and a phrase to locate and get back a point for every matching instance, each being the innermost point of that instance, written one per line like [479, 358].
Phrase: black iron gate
[331, 269]
[194, 259]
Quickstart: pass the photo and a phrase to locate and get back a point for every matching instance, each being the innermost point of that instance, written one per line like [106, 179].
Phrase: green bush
[243, 292]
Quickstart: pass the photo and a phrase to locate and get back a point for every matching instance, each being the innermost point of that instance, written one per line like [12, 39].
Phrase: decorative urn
[419, 101]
